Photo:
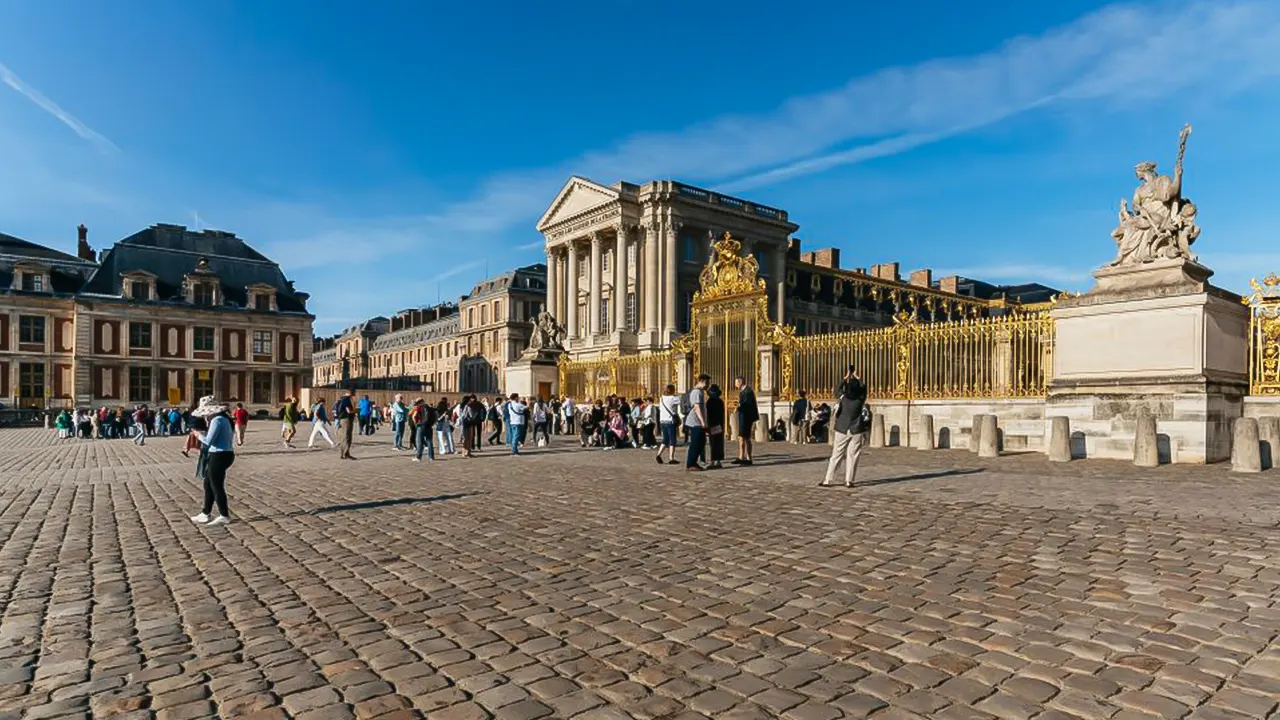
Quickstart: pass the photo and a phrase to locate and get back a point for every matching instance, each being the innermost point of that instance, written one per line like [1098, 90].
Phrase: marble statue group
[1162, 223]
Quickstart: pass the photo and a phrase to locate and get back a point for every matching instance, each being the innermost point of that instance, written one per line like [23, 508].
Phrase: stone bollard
[989, 437]
[975, 435]
[1245, 447]
[1059, 439]
[924, 441]
[1145, 451]
[762, 428]
[1269, 434]
[877, 430]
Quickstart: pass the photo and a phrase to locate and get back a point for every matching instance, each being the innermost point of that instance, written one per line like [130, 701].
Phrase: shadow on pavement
[919, 476]
[383, 503]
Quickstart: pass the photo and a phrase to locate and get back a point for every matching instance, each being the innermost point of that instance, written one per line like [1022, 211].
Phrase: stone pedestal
[534, 375]
[1154, 337]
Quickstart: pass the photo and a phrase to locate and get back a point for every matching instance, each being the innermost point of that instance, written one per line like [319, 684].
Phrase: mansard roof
[67, 273]
[171, 252]
[530, 278]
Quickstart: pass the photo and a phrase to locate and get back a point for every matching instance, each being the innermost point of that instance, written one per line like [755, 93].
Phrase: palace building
[452, 347]
[164, 316]
[623, 264]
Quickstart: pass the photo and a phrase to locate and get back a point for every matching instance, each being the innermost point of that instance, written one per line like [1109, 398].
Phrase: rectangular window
[689, 248]
[33, 282]
[139, 384]
[686, 312]
[605, 262]
[261, 387]
[139, 290]
[202, 339]
[202, 294]
[261, 345]
[604, 315]
[139, 336]
[631, 311]
[31, 382]
[261, 302]
[497, 311]
[31, 330]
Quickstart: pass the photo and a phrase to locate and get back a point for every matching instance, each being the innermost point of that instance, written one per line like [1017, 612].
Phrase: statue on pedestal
[1162, 223]
[548, 336]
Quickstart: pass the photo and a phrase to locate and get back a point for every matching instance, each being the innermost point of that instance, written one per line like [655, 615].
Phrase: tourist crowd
[472, 423]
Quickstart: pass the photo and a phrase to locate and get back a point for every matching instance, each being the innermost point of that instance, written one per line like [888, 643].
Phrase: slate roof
[530, 278]
[170, 252]
[418, 334]
[67, 272]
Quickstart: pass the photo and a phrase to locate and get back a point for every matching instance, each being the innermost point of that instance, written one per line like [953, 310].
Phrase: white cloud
[1123, 54]
[8, 77]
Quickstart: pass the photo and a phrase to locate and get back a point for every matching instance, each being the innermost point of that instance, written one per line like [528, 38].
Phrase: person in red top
[241, 418]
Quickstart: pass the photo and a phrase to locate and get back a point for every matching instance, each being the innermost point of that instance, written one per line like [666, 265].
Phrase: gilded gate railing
[1264, 336]
[1009, 356]
[630, 376]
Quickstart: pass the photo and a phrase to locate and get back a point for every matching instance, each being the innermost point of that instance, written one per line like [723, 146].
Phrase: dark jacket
[799, 410]
[748, 409]
[852, 396]
[715, 409]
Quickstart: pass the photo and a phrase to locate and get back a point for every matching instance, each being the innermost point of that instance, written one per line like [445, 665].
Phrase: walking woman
[219, 446]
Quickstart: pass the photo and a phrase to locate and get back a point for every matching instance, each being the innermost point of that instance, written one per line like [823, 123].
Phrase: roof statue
[1162, 222]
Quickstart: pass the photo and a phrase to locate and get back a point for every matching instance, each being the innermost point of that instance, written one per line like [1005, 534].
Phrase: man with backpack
[851, 426]
[344, 412]
[423, 417]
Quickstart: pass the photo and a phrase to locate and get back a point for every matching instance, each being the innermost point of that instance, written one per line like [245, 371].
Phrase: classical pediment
[577, 196]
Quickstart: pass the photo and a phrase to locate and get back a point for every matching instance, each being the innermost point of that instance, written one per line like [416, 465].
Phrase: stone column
[553, 284]
[650, 275]
[572, 295]
[620, 280]
[597, 292]
[669, 270]
[778, 269]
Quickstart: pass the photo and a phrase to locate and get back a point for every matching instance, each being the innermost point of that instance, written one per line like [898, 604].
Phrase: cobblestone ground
[586, 584]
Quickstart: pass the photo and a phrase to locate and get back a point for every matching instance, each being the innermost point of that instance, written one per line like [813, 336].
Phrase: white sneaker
[220, 520]
[200, 519]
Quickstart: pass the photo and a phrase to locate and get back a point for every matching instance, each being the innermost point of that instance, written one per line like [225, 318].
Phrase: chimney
[827, 257]
[922, 278]
[396, 323]
[950, 284]
[886, 271]
[83, 251]
[806, 257]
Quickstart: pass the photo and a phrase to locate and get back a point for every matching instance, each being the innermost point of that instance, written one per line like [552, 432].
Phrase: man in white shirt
[515, 412]
[569, 408]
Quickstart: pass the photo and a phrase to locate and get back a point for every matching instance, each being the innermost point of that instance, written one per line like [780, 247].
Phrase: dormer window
[202, 294]
[139, 290]
[262, 297]
[30, 277]
[138, 285]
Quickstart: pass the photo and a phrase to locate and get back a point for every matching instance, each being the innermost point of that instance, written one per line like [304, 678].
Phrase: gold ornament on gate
[729, 273]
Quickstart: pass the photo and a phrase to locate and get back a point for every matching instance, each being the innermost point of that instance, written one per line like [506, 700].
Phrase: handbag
[717, 430]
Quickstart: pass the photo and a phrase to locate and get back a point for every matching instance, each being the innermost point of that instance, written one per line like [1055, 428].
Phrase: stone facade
[453, 347]
[624, 261]
[163, 317]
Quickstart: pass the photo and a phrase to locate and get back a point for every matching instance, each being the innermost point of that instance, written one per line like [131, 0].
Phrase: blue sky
[387, 154]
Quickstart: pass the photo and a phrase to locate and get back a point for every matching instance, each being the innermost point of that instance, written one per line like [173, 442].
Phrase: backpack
[418, 414]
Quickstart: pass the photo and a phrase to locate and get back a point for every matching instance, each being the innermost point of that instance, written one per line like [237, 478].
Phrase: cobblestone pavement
[587, 584]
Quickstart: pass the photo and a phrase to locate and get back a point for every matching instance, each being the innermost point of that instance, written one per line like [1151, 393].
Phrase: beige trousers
[847, 449]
